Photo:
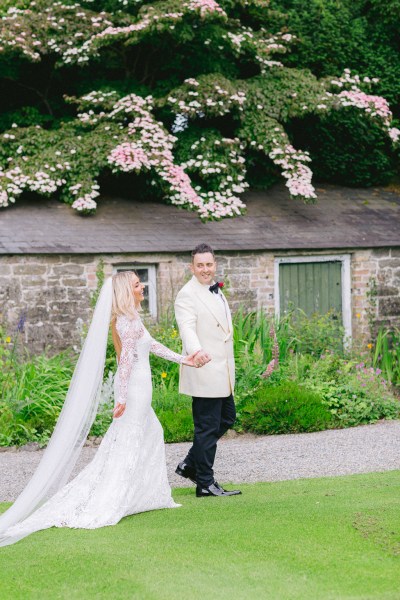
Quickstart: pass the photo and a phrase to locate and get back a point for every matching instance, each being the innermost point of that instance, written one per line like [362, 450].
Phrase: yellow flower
[163, 374]
[8, 340]
[369, 346]
[358, 316]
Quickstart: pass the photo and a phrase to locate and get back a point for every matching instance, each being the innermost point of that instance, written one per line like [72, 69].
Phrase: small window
[147, 275]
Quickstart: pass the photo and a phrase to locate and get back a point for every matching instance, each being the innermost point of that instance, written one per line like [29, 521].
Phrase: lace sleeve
[164, 352]
[129, 331]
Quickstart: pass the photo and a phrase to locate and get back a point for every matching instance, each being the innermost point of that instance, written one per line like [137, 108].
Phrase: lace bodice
[131, 332]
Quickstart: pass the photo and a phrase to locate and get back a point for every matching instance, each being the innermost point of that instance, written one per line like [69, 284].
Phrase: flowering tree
[184, 91]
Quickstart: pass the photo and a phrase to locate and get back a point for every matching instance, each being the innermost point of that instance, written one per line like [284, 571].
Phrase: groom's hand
[202, 357]
[119, 410]
[197, 359]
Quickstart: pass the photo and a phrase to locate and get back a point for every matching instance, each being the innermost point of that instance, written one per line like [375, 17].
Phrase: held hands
[119, 410]
[197, 359]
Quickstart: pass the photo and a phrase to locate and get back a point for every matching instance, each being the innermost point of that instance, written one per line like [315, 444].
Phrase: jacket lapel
[213, 304]
[228, 315]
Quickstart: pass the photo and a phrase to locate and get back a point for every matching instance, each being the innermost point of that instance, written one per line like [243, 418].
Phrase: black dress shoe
[187, 472]
[215, 490]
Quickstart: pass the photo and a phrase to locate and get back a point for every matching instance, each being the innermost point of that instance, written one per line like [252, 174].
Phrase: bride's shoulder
[123, 321]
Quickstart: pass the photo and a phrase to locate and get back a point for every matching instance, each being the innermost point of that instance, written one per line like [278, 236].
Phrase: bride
[128, 473]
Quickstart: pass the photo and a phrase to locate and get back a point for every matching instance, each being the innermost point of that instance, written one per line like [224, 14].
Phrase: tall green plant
[31, 403]
[386, 354]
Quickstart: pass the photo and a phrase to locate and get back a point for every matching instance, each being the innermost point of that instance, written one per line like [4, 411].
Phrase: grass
[328, 538]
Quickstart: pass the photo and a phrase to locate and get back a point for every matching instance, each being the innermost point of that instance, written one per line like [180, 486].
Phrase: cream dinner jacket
[204, 323]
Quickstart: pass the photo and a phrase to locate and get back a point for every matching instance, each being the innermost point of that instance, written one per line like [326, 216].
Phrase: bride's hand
[197, 359]
[119, 410]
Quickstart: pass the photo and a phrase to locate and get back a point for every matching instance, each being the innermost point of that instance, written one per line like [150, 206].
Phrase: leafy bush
[317, 333]
[335, 34]
[314, 379]
[219, 77]
[32, 398]
[355, 393]
[345, 149]
[288, 408]
[386, 354]
[175, 414]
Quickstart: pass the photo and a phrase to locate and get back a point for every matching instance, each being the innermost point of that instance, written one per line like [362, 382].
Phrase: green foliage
[253, 349]
[354, 392]
[55, 51]
[165, 373]
[386, 354]
[33, 392]
[175, 414]
[288, 408]
[345, 149]
[335, 34]
[99, 282]
[317, 333]
[26, 116]
[315, 370]
[103, 420]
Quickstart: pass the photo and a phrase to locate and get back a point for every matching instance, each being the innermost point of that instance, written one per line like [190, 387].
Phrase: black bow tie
[214, 288]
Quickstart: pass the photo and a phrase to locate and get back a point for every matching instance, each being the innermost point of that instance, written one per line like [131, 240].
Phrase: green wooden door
[314, 287]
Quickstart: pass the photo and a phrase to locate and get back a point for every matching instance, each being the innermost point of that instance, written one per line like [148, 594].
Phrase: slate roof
[342, 218]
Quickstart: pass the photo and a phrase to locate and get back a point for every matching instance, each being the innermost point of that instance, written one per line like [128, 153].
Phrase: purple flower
[21, 323]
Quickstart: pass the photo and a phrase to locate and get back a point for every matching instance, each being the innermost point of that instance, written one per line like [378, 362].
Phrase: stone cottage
[341, 253]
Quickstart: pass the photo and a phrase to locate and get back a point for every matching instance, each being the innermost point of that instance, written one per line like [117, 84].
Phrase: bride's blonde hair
[123, 300]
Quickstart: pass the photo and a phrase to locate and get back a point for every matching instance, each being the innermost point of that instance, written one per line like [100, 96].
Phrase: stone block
[383, 290]
[5, 269]
[222, 262]
[241, 262]
[391, 263]
[29, 269]
[82, 259]
[5, 283]
[389, 306]
[380, 252]
[67, 269]
[34, 281]
[73, 282]
[10, 292]
[51, 259]
[37, 313]
[79, 295]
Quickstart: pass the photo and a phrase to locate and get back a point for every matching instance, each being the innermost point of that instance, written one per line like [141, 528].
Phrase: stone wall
[54, 291]
[375, 290]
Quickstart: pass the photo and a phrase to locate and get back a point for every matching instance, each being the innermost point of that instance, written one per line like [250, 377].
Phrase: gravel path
[248, 458]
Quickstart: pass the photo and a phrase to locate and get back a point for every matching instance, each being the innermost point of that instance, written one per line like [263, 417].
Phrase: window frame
[344, 259]
[151, 282]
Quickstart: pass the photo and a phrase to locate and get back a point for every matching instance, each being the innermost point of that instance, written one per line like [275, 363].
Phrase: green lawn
[312, 538]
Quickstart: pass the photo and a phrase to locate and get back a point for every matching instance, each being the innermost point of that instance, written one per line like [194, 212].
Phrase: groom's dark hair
[202, 249]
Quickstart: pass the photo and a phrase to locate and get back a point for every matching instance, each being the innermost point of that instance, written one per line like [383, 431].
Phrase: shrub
[354, 393]
[315, 334]
[345, 149]
[386, 354]
[175, 415]
[33, 392]
[288, 408]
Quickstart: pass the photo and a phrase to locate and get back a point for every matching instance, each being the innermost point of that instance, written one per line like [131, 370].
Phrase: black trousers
[212, 417]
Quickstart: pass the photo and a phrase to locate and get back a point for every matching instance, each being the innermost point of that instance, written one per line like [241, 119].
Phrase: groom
[205, 326]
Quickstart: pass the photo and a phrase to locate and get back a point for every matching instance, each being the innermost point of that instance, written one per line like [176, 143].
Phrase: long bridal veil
[73, 425]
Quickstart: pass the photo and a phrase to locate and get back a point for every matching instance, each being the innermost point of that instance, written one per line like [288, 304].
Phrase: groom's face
[203, 267]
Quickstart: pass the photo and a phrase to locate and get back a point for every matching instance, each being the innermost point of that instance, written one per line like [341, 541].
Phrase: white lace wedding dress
[128, 473]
